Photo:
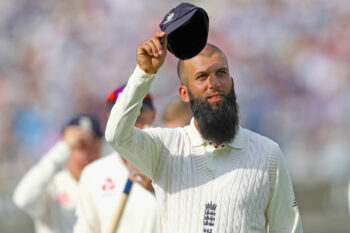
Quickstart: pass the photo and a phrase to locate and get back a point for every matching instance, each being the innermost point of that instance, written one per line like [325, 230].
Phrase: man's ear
[183, 93]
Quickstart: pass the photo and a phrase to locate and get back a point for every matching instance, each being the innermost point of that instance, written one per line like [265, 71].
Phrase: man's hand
[151, 53]
[75, 136]
[138, 177]
[143, 180]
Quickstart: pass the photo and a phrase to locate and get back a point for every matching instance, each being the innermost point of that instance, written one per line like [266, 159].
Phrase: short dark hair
[86, 121]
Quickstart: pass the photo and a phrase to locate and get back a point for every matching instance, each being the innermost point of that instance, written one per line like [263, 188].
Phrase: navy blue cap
[186, 27]
[86, 121]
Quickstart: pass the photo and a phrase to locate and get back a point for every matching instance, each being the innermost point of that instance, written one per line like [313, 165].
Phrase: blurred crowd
[290, 60]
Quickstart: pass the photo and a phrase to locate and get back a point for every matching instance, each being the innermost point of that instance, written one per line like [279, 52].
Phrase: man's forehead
[209, 54]
[201, 61]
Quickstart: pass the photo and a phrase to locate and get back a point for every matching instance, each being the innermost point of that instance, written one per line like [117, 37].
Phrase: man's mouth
[215, 98]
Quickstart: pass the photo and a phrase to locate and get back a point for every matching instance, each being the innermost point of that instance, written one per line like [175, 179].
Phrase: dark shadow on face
[218, 123]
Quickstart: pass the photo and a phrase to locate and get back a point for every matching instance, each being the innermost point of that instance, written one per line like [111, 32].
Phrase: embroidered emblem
[169, 18]
[85, 123]
[63, 199]
[209, 217]
[108, 185]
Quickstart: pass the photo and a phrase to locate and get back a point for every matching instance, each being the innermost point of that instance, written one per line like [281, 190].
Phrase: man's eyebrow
[222, 68]
[199, 73]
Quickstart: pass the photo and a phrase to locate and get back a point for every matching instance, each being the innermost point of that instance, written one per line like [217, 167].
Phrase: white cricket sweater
[100, 187]
[48, 192]
[243, 187]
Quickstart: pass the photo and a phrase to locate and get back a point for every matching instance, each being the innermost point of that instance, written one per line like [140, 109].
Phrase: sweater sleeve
[282, 213]
[140, 147]
[87, 219]
[31, 193]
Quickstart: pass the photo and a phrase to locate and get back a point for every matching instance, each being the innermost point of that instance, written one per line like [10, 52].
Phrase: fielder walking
[49, 190]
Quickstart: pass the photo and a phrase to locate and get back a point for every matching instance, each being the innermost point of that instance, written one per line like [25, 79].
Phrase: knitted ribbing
[235, 201]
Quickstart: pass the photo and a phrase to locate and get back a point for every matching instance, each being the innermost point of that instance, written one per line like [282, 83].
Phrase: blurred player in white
[48, 192]
[102, 184]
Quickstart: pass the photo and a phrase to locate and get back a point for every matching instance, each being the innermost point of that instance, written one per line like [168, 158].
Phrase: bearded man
[213, 175]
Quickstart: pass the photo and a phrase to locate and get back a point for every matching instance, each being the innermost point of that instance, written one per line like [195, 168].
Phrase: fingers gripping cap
[113, 96]
[87, 122]
[186, 27]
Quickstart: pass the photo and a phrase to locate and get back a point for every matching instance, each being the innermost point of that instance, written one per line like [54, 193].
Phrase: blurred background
[290, 60]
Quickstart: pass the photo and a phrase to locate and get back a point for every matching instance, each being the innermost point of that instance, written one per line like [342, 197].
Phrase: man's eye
[201, 76]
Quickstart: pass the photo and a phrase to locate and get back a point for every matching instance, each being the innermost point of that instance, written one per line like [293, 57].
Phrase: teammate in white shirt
[102, 184]
[212, 176]
[48, 192]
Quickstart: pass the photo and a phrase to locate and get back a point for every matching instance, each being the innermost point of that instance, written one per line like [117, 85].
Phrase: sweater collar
[197, 139]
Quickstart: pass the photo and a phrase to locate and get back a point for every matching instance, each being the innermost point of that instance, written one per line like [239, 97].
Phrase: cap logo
[85, 123]
[169, 17]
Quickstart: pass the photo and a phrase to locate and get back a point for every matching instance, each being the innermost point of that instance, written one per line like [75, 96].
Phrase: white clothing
[243, 187]
[101, 185]
[48, 192]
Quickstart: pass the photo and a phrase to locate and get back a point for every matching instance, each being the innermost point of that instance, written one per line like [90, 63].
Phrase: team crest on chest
[63, 199]
[209, 217]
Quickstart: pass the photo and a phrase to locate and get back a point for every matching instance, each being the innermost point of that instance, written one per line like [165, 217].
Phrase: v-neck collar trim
[197, 139]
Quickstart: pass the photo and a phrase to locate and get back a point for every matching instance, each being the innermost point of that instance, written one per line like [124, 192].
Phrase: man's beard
[218, 124]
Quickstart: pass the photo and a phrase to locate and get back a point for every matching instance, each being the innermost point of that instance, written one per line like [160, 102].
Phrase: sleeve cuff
[60, 153]
[141, 73]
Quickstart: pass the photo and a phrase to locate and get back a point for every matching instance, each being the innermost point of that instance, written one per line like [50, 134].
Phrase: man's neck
[73, 171]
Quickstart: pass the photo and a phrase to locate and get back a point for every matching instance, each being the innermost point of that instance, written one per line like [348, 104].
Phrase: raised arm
[31, 194]
[139, 147]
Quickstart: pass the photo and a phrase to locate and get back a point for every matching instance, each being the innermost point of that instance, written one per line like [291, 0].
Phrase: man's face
[209, 88]
[218, 124]
[208, 78]
[86, 152]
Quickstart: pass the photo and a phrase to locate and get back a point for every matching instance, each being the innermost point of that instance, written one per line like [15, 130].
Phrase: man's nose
[213, 81]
